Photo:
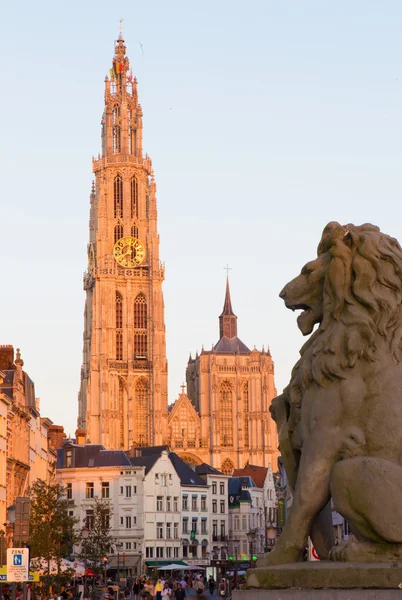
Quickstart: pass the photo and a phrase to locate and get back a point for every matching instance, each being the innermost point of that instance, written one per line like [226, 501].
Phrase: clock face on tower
[129, 252]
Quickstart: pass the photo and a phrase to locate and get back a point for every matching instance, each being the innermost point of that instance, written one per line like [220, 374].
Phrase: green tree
[99, 540]
[51, 529]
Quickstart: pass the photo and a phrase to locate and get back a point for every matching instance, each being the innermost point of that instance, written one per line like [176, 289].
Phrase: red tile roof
[257, 474]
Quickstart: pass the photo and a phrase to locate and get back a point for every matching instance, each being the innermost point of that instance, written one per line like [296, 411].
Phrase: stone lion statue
[340, 418]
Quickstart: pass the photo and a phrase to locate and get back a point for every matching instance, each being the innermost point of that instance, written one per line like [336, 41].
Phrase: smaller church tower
[231, 388]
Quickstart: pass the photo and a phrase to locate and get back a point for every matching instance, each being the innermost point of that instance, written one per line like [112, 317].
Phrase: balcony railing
[219, 538]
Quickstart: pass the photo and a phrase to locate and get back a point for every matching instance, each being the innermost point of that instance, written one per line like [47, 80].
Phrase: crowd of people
[175, 588]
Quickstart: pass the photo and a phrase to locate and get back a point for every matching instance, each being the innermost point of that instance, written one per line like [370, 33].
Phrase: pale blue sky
[264, 120]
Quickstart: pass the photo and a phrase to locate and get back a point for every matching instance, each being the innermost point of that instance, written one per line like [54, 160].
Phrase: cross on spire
[227, 269]
[182, 388]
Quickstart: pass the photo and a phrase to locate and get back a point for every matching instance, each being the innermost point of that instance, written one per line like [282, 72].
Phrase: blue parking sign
[17, 560]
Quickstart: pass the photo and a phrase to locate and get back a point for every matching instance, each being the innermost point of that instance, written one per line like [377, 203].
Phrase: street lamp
[236, 546]
[105, 559]
[140, 567]
[84, 536]
[119, 546]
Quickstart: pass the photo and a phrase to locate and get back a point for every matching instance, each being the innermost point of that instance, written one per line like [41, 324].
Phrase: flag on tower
[130, 77]
[111, 73]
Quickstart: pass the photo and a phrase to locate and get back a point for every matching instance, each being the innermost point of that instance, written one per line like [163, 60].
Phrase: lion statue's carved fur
[339, 418]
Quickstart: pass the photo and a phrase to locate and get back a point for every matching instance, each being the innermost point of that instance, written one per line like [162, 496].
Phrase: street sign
[17, 564]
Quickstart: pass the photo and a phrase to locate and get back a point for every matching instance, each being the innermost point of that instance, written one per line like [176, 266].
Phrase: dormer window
[68, 458]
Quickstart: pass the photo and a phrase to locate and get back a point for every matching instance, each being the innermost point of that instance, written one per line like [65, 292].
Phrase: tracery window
[116, 129]
[226, 413]
[141, 411]
[140, 312]
[119, 326]
[134, 197]
[140, 345]
[227, 467]
[118, 232]
[134, 231]
[129, 129]
[118, 196]
[116, 139]
[245, 416]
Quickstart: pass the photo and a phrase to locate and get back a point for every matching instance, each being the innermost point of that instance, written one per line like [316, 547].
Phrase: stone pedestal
[324, 580]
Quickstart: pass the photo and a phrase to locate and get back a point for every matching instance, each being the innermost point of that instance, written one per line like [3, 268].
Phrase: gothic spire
[227, 319]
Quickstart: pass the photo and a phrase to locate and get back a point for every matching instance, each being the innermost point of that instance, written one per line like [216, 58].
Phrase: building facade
[5, 404]
[88, 472]
[224, 419]
[123, 393]
[163, 510]
[246, 519]
[264, 479]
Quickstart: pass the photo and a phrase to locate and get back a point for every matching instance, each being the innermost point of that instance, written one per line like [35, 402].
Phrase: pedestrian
[148, 590]
[158, 589]
[211, 585]
[222, 589]
[199, 589]
[180, 593]
[137, 587]
[166, 592]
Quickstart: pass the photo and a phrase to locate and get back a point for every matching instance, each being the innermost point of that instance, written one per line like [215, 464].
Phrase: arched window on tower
[118, 196]
[119, 326]
[142, 412]
[134, 198]
[129, 129]
[140, 327]
[134, 231]
[245, 416]
[116, 145]
[118, 232]
[226, 413]
[133, 133]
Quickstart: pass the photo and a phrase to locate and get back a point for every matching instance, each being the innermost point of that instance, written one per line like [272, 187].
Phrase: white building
[89, 471]
[162, 506]
[217, 510]
[246, 519]
[163, 510]
[264, 479]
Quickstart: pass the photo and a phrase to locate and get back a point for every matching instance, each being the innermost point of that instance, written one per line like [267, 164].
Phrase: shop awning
[163, 563]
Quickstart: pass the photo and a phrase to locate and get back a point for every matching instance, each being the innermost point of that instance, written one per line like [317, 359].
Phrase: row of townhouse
[162, 509]
[27, 441]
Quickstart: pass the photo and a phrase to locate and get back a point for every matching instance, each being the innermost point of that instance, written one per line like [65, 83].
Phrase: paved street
[192, 593]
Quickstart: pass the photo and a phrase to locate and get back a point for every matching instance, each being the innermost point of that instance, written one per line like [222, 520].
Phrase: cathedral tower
[123, 394]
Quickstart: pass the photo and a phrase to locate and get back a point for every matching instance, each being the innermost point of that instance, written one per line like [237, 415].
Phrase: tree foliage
[97, 545]
[51, 528]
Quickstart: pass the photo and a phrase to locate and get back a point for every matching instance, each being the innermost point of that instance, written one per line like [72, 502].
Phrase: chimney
[80, 436]
[56, 436]
[6, 357]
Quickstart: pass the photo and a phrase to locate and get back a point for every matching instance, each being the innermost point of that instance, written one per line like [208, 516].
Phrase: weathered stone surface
[339, 418]
[327, 574]
[317, 595]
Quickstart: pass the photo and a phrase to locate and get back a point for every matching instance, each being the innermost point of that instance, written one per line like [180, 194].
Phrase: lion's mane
[362, 304]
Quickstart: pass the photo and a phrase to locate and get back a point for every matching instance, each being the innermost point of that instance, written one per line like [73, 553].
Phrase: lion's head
[353, 290]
